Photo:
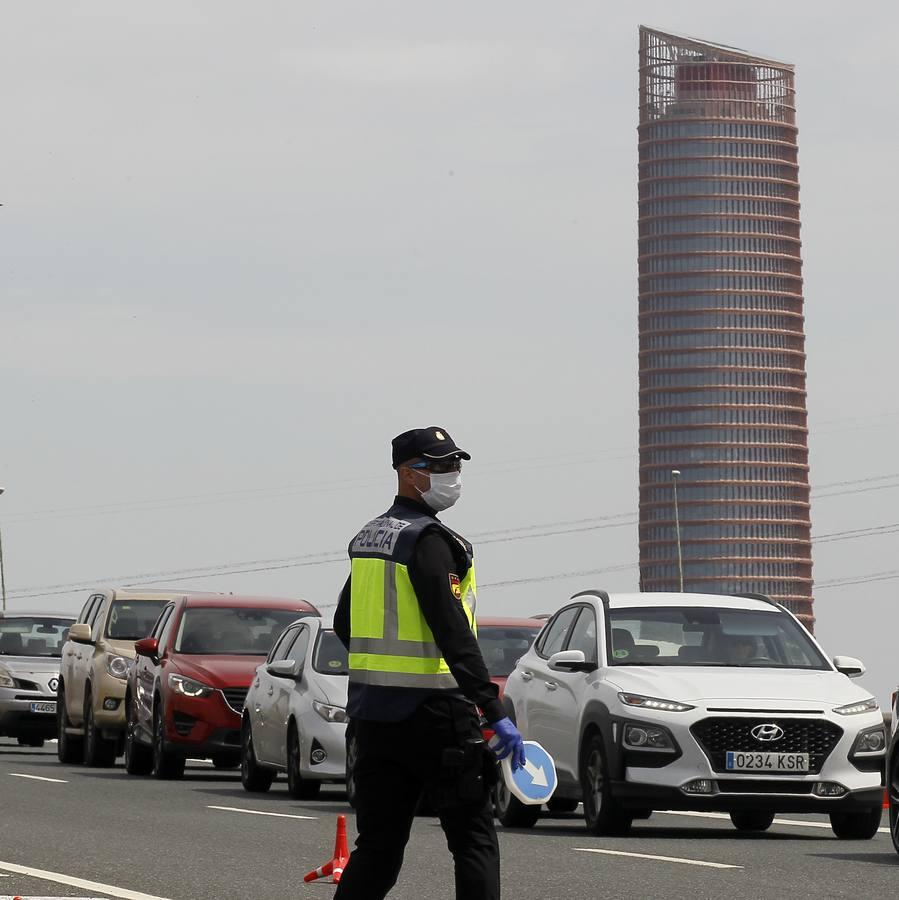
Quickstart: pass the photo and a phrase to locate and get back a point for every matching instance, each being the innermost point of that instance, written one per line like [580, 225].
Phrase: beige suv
[96, 658]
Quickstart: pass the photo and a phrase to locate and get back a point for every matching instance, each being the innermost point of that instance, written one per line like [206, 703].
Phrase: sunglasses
[438, 466]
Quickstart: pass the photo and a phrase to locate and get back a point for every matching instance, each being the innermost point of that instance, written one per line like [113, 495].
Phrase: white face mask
[444, 490]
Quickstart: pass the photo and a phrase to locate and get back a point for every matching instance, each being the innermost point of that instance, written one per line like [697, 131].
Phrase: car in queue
[30, 653]
[186, 690]
[663, 701]
[96, 658]
[294, 719]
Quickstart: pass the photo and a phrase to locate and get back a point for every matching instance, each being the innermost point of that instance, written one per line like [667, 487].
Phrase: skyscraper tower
[724, 494]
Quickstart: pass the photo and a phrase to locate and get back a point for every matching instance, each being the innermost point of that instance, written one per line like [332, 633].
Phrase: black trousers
[396, 763]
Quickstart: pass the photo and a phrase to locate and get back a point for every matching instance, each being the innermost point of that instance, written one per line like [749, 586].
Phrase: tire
[298, 787]
[138, 757]
[562, 804]
[350, 762]
[69, 748]
[752, 819]
[893, 787]
[226, 760]
[30, 742]
[856, 826]
[602, 814]
[252, 776]
[99, 752]
[510, 811]
[166, 765]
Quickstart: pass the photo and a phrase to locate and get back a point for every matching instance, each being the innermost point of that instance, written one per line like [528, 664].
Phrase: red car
[186, 688]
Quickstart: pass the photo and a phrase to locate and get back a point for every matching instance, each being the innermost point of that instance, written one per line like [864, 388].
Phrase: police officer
[406, 613]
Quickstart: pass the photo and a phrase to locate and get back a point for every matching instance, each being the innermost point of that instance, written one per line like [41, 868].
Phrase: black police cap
[428, 443]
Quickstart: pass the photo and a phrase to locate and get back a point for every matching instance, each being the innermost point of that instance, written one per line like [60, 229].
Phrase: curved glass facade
[722, 345]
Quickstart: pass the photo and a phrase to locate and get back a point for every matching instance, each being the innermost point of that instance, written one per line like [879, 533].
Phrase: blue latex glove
[507, 739]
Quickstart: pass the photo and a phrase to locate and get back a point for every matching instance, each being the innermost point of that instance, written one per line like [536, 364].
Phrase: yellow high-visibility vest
[390, 642]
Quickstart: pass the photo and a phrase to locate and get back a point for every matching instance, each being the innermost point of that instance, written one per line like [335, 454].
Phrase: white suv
[696, 702]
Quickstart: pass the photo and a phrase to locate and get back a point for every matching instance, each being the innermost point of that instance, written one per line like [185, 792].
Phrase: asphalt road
[198, 839]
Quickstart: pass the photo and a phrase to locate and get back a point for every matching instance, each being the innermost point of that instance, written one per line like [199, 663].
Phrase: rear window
[230, 631]
[330, 656]
[131, 620]
[33, 635]
[503, 646]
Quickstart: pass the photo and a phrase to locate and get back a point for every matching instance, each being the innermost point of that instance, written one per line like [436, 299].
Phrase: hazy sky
[243, 245]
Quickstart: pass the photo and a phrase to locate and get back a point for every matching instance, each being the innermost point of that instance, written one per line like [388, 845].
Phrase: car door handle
[526, 676]
[550, 685]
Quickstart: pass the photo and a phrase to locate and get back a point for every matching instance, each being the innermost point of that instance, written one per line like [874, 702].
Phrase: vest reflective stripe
[402, 679]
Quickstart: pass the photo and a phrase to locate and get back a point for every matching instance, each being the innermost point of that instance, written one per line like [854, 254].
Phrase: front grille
[235, 698]
[24, 685]
[760, 786]
[817, 737]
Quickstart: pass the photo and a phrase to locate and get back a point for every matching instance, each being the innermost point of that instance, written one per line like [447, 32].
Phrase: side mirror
[570, 661]
[285, 668]
[849, 666]
[80, 633]
[147, 647]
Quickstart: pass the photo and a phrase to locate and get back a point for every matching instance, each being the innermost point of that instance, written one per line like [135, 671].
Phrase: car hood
[30, 665]
[762, 687]
[219, 671]
[122, 648]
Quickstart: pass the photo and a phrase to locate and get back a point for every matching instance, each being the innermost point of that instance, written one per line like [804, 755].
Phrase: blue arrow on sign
[535, 782]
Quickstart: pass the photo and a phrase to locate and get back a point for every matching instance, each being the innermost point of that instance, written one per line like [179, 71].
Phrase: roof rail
[594, 592]
[763, 597]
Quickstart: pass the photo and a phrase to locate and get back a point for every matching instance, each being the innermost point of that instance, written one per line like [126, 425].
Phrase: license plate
[49, 706]
[766, 762]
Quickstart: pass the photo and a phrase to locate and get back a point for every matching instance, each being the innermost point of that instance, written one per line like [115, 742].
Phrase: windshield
[33, 635]
[698, 636]
[131, 620]
[224, 631]
[330, 655]
[503, 646]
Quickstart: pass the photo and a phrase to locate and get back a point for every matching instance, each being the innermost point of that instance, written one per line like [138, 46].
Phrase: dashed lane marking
[796, 822]
[38, 778]
[109, 889]
[671, 859]
[259, 812]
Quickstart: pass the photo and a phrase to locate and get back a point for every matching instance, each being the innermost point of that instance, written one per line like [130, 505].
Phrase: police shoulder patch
[455, 586]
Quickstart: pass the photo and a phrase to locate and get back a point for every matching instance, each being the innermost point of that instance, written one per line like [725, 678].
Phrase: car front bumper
[659, 785]
[199, 727]
[17, 718]
[319, 736]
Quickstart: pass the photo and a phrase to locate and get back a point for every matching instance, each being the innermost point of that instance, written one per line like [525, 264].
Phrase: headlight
[6, 680]
[330, 713]
[647, 737]
[853, 709]
[642, 702]
[871, 740]
[189, 687]
[117, 666]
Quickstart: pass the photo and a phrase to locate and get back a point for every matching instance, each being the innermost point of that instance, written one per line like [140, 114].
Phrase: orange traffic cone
[335, 866]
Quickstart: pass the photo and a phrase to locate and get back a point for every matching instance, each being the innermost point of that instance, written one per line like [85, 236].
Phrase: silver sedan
[294, 717]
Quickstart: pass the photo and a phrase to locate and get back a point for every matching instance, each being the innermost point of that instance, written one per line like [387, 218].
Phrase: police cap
[428, 443]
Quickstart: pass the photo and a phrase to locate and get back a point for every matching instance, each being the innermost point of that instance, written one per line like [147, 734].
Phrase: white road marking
[258, 812]
[671, 859]
[37, 778]
[713, 815]
[109, 889]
